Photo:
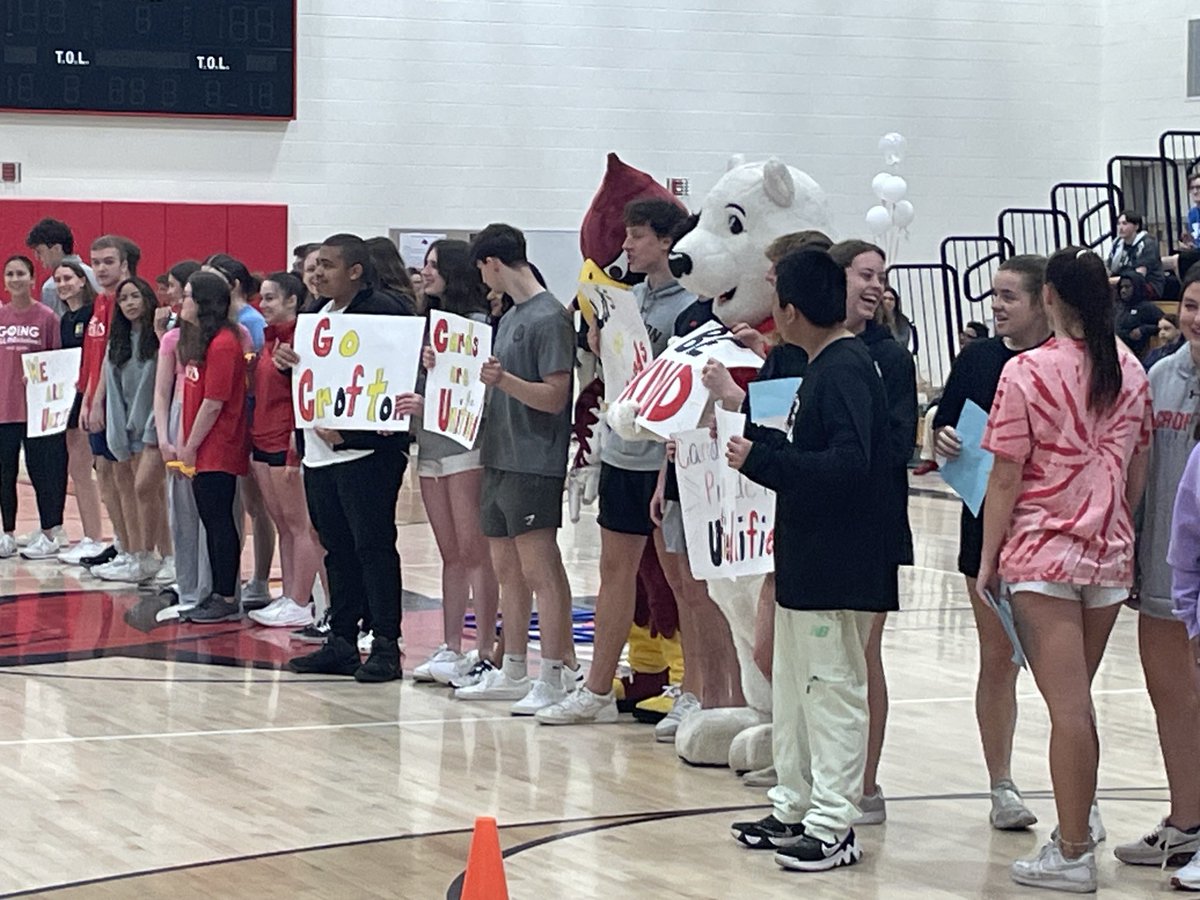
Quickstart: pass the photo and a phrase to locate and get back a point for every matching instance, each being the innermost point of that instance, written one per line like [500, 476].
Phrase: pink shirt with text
[22, 331]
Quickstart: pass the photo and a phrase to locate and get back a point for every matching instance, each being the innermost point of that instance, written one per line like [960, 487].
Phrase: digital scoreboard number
[151, 57]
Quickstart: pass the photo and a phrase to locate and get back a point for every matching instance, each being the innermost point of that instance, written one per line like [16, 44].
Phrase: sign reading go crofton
[352, 369]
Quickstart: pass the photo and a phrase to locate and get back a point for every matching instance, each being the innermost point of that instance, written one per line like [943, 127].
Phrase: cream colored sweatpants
[820, 718]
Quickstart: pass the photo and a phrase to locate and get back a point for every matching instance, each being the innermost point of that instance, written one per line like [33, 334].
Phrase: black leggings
[46, 461]
[214, 493]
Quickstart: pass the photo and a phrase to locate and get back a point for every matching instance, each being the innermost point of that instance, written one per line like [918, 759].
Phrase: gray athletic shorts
[672, 527]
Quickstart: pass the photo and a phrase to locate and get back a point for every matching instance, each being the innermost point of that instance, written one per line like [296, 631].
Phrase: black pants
[353, 507]
[214, 493]
[46, 460]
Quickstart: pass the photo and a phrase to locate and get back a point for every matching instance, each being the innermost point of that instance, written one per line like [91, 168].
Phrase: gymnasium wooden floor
[175, 762]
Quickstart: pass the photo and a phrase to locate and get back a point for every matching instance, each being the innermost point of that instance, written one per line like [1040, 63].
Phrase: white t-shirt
[317, 453]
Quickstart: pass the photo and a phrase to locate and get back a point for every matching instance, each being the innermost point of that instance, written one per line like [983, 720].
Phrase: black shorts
[514, 503]
[98, 441]
[274, 460]
[625, 500]
[73, 418]
[970, 542]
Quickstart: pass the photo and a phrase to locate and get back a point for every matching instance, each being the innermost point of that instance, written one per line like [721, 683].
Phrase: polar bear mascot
[724, 258]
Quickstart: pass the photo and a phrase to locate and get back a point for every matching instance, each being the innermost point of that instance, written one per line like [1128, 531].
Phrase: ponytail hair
[1080, 280]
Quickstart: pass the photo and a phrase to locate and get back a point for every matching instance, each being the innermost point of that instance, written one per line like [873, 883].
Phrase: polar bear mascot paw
[751, 749]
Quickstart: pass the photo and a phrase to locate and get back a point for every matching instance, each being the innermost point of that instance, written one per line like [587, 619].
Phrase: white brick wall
[453, 113]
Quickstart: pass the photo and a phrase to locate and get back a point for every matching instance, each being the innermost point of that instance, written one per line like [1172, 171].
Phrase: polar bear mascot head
[723, 257]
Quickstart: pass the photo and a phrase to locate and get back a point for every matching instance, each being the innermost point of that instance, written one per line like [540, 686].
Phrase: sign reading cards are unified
[454, 395]
[668, 392]
[353, 368]
[50, 378]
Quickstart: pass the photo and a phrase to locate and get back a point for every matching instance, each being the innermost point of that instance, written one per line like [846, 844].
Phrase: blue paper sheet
[968, 475]
[1002, 607]
[771, 401]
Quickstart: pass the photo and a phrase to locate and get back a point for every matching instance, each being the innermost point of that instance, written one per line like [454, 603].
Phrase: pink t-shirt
[22, 331]
[1071, 523]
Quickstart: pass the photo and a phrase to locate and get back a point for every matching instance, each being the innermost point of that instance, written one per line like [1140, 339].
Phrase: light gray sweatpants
[193, 575]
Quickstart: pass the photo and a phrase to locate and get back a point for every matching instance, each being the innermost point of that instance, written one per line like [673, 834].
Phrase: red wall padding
[166, 232]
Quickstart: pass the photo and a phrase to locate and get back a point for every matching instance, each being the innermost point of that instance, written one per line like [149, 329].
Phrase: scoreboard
[151, 57]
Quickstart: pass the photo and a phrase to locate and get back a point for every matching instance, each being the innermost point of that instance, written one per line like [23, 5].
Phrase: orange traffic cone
[484, 879]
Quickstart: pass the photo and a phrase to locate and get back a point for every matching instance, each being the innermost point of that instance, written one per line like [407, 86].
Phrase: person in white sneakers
[524, 453]
[27, 326]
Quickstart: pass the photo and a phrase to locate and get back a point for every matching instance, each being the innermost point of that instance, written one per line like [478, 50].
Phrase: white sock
[515, 667]
[551, 671]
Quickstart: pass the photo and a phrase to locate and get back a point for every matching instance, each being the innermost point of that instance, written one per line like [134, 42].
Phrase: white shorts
[450, 465]
[1092, 596]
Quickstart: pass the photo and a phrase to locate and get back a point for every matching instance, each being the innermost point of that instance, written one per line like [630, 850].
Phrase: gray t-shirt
[50, 290]
[660, 308]
[535, 339]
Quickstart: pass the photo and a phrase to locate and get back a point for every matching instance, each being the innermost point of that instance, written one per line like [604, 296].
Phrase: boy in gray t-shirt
[524, 449]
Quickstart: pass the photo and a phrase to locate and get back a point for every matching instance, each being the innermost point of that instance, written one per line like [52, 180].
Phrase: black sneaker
[107, 555]
[811, 854]
[317, 633]
[767, 834]
[382, 665]
[337, 656]
[213, 609]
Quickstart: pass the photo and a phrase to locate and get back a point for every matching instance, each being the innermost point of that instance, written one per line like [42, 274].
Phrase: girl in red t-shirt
[276, 465]
[214, 430]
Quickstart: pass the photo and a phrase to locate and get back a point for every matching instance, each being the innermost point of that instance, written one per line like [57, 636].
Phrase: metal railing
[1093, 207]
[1034, 230]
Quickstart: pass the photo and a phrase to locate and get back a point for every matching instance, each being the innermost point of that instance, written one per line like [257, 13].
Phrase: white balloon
[879, 219]
[878, 182]
[903, 214]
[892, 145]
[894, 189]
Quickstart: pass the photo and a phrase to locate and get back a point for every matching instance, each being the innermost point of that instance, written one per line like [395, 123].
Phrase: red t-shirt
[273, 416]
[221, 376]
[22, 331]
[95, 342]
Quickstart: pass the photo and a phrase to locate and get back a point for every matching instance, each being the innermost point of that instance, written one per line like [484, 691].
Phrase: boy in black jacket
[831, 471]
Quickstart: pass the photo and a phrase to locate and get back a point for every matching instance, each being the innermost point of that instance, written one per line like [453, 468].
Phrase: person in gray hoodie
[1167, 659]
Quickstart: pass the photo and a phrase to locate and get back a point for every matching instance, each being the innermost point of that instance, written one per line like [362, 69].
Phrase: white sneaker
[1050, 869]
[166, 571]
[126, 567]
[1009, 812]
[87, 547]
[761, 778]
[283, 613]
[150, 565]
[443, 654]
[474, 675]
[1188, 878]
[580, 707]
[685, 704]
[41, 547]
[872, 808]
[572, 678]
[8, 546]
[495, 685]
[59, 534]
[172, 613]
[1165, 846]
[1095, 826]
[447, 671]
[541, 695]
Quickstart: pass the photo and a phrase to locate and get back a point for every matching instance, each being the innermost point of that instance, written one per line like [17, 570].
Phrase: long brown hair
[1080, 280]
[210, 293]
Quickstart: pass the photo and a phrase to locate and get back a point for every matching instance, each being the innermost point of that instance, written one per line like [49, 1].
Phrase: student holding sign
[352, 480]
[27, 326]
[831, 471]
[1021, 324]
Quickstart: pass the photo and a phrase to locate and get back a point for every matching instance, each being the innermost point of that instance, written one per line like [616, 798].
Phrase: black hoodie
[1137, 313]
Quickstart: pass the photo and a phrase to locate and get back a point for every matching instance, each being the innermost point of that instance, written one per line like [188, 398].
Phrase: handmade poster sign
[624, 342]
[50, 378]
[352, 369]
[722, 542]
[667, 396]
[454, 395]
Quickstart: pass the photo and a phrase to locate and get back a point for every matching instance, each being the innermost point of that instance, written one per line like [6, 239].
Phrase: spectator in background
[1136, 252]
[972, 331]
[1170, 340]
[1191, 235]
[418, 284]
[891, 317]
[392, 274]
[1137, 314]
[53, 243]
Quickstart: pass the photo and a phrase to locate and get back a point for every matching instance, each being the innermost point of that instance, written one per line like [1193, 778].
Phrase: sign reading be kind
[353, 368]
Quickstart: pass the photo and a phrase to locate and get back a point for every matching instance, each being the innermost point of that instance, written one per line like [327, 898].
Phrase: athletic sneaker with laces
[811, 854]
[1165, 846]
[1009, 812]
[685, 704]
[445, 672]
[382, 665]
[212, 610]
[1050, 869]
[8, 546]
[1095, 826]
[166, 571]
[283, 613]
[541, 694]
[473, 675]
[337, 656]
[173, 612]
[572, 678]
[316, 633]
[495, 685]
[873, 808]
[106, 555]
[74, 556]
[58, 534]
[443, 654]
[41, 547]
[767, 834]
[123, 567]
[580, 707]
[1188, 878]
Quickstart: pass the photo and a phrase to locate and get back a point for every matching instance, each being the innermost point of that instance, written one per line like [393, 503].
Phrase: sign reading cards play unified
[727, 535]
[454, 395]
[50, 378]
[353, 368]
[668, 392]
[624, 342]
